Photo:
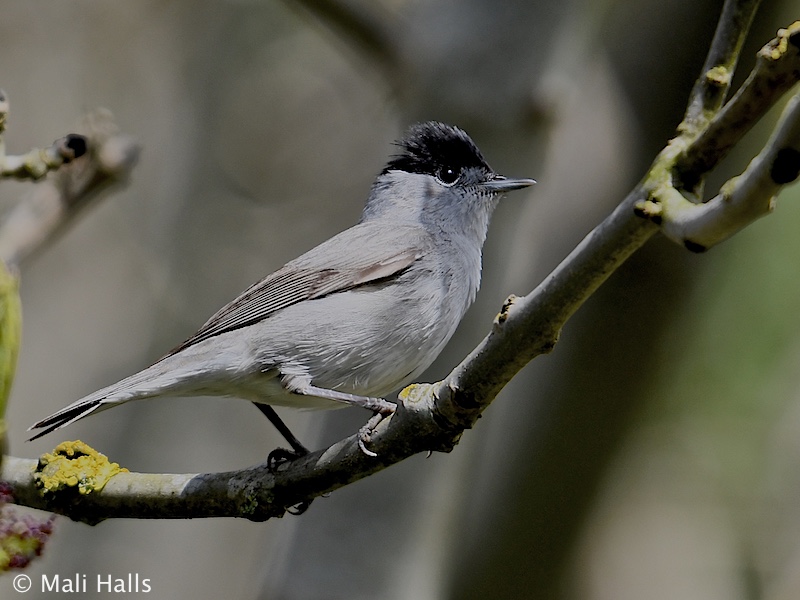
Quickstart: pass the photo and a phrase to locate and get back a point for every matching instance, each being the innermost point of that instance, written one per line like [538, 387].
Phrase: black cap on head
[429, 147]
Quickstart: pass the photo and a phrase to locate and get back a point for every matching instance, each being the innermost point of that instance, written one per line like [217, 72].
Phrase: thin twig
[712, 86]
[55, 203]
[39, 161]
[776, 71]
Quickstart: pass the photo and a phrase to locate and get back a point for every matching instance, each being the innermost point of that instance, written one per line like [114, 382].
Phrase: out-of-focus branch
[38, 162]
[367, 24]
[33, 165]
[36, 219]
[54, 203]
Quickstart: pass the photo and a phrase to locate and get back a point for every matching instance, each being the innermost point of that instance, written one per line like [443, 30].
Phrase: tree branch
[433, 416]
[38, 162]
[776, 71]
[35, 220]
[672, 201]
[712, 86]
[742, 199]
[55, 203]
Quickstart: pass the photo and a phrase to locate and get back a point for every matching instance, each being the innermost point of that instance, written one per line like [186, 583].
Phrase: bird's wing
[359, 255]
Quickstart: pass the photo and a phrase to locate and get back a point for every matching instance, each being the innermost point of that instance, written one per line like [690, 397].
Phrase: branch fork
[674, 189]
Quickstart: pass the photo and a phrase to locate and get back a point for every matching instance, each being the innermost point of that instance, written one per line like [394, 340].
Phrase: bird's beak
[499, 184]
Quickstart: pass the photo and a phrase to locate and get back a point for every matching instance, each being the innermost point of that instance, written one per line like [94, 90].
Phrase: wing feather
[355, 257]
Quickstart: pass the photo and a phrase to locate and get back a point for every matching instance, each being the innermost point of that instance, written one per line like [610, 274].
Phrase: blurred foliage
[22, 535]
[10, 326]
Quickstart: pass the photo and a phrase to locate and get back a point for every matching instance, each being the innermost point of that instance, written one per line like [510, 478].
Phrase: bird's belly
[368, 343]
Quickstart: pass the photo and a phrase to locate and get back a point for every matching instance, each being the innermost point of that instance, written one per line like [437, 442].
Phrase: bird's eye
[448, 175]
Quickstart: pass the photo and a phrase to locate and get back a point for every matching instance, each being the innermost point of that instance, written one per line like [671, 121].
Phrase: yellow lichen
[415, 392]
[75, 465]
[719, 75]
[501, 317]
[778, 46]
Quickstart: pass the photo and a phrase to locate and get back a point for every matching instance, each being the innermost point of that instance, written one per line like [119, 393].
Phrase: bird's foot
[281, 456]
[365, 433]
[275, 460]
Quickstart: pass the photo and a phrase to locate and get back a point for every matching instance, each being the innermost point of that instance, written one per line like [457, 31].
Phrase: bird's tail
[159, 379]
[64, 417]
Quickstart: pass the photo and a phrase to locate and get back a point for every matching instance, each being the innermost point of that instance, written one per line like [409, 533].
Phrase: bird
[353, 319]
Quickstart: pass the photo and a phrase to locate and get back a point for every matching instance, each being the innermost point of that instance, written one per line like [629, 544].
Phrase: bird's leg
[298, 449]
[282, 455]
[380, 407]
[365, 433]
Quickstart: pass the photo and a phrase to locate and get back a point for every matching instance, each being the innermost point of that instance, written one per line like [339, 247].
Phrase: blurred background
[652, 455]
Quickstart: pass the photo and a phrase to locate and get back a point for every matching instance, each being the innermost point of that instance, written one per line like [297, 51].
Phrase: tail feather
[164, 378]
[64, 417]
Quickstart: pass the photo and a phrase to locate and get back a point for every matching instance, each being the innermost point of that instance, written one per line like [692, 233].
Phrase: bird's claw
[366, 431]
[364, 437]
[280, 456]
[275, 460]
